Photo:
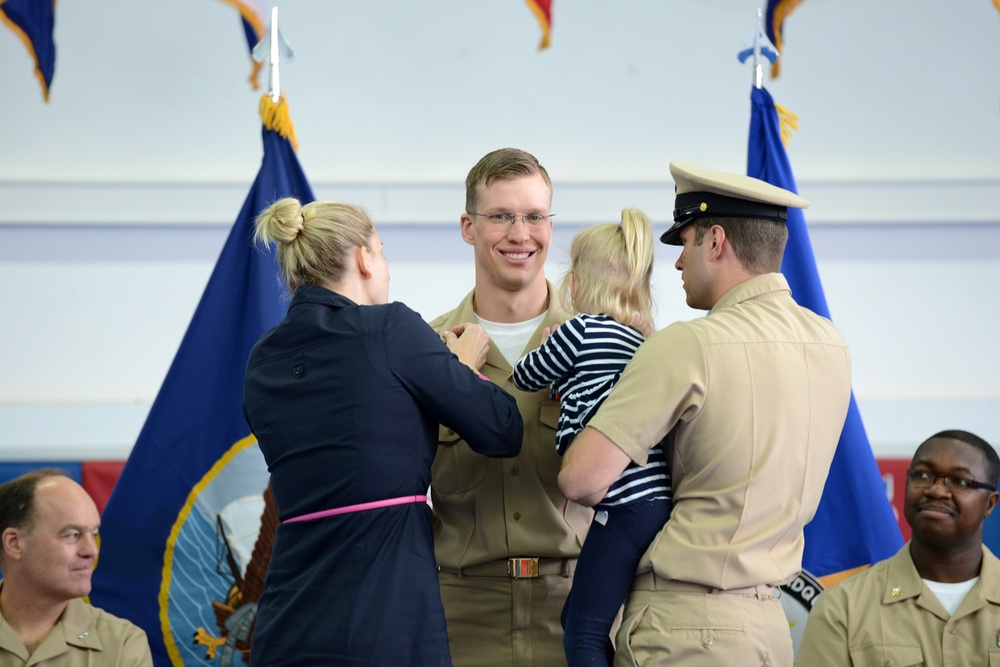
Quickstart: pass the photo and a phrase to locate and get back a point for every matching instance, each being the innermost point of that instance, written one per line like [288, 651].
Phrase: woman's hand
[470, 343]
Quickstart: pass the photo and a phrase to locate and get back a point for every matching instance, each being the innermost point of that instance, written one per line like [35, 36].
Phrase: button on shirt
[492, 509]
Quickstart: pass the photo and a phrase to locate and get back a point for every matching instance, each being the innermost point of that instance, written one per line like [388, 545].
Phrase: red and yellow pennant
[543, 11]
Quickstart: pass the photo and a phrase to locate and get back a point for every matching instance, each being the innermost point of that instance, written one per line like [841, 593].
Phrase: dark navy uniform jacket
[345, 402]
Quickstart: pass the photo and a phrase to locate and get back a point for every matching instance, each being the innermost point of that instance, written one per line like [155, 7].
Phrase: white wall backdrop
[115, 197]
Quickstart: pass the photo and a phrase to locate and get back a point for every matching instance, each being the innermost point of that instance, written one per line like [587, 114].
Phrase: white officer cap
[703, 193]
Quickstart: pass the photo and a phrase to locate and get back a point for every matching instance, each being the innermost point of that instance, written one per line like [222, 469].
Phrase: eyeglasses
[923, 479]
[508, 219]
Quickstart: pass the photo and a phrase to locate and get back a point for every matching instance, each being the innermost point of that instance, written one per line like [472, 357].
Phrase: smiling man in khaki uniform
[506, 538]
[937, 601]
[752, 399]
[48, 526]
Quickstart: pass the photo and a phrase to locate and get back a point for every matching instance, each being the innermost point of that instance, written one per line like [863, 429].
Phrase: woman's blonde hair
[611, 267]
[313, 242]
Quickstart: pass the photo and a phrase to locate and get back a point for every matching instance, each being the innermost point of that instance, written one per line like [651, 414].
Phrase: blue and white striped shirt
[583, 360]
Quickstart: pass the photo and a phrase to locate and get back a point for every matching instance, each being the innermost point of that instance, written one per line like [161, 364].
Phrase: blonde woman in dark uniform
[345, 397]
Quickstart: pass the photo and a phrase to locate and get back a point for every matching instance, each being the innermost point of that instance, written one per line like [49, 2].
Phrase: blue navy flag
[854, 525]
[183, 534]
[34, 22]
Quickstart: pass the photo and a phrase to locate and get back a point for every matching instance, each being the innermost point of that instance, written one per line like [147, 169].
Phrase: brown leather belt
[648, 581]
[516, 568]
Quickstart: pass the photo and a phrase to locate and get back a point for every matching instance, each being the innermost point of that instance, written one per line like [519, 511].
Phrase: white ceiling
[398, 91]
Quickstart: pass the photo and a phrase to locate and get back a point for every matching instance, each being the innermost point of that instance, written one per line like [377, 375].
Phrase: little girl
[608, 285]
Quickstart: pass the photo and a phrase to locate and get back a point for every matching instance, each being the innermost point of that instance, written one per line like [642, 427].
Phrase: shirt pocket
[547, 459]
[456, 469]
[888, 655]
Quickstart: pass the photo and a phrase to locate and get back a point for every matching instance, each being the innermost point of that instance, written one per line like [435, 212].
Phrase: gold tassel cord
[276, 117]
[788, 122]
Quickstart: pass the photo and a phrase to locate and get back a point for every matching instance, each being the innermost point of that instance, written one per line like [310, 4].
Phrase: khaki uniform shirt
[885, 616]
[754, 396]
[84, 636]
[488, 509]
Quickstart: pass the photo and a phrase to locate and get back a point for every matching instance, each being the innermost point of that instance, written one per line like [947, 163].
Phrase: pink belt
[402, 500]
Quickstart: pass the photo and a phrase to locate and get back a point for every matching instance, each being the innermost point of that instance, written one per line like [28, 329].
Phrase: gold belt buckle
[522, 568]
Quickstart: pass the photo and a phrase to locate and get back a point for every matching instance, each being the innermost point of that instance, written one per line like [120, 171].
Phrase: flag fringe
[782, 11]
[28, 44]
[250, 15]
[276, 117]
[254, 77]
[834, 578]
[788, 121]
[546, 24]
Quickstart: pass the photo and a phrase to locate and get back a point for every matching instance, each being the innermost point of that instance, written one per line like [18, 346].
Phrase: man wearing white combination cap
[752, 399]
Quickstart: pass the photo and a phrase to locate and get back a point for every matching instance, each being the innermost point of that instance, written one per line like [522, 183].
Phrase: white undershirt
[511, 338]
[951, 595]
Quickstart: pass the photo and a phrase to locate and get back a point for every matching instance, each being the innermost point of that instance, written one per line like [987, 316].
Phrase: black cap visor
[693, 205]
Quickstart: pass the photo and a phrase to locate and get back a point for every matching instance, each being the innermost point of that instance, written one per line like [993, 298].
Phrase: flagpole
[270, 48]
[274, 85]
[758, 69]
[760, 48]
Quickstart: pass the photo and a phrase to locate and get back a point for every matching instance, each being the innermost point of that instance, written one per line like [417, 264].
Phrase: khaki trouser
[669, 623]
[494, 619]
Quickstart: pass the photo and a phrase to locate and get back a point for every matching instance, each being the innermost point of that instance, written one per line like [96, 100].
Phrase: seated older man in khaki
[49, 526]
